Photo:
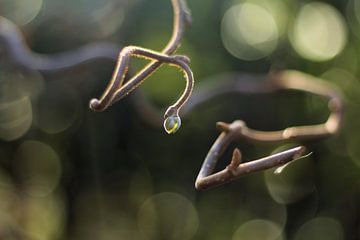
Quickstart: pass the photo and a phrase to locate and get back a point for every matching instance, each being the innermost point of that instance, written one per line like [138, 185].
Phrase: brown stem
[296, 80]
[122, 66]
[115, 90]
[238, 129]
[206, 180]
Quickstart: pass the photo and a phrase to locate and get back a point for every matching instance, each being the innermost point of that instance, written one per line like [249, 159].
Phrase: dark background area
[69, 173]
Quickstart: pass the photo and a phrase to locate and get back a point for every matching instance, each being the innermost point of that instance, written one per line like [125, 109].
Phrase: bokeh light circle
[7, 197]
[319, 32]
[19, 11]
[15, 118]
[353, 144]
[39, 167]
[17, 90]
[262, 208]
[57, 108]
[293, 183]
[249, 31]
[258, 229]
[45, 217]
[168, 216]
[320, 228]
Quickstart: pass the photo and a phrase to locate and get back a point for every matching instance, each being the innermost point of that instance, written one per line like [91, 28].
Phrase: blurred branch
[238, 130]
[116, 90]
[19, 52]
[126, 53]
[219, 85]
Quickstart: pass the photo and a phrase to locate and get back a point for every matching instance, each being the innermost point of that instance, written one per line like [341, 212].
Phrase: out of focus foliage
[69, 173]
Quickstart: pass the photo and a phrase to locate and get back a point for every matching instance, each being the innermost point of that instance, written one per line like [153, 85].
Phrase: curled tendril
[118, 88]
[180, 61]
[22, 55]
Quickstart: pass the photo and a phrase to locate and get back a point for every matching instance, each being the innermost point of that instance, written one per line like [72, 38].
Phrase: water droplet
[172, 124]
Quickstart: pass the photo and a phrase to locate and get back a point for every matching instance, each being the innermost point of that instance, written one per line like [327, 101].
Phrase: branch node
[290, 80]
[235, 161]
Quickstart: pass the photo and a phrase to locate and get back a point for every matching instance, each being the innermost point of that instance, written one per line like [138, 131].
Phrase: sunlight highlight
[319, 32]
[249, 31]
[169, 216]
[320, 228]
[258, 229]
[19, 11]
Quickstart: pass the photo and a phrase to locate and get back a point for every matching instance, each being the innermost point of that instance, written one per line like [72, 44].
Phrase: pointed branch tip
[223, 127]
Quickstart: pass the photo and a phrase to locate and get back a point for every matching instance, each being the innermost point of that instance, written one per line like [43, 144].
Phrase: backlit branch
[17, 49]
[238, 130]
[177, 60]
[117, 89]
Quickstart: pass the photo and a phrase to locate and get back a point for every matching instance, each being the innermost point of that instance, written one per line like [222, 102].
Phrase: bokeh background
[69, 173]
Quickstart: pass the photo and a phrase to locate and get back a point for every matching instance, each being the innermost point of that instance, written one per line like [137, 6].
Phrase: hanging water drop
[172, 124]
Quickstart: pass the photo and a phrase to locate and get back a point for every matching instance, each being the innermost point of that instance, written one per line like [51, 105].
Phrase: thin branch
[238, 130]
[181, 17]
[117, 80]
[117, 90]
[247, 83]
[122, 66]
[300, 81]
[206, 180]
[224, 84]
[217, 86]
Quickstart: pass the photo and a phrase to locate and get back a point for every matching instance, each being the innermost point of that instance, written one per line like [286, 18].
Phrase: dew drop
[172, 124]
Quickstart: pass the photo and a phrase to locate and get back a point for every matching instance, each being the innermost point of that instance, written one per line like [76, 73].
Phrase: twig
[238, 130]
[182, 17]
[178, 60]
[300, 81]
[17, 49]
[206, 180]
[117, 90]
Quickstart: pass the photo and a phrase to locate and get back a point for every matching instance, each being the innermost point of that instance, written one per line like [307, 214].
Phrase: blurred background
[69, 173]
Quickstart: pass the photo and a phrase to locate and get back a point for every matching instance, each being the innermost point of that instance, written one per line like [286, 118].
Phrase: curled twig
[299, 81]
[117, 89]
[17, 49]
[172, 122]
[239, 130]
